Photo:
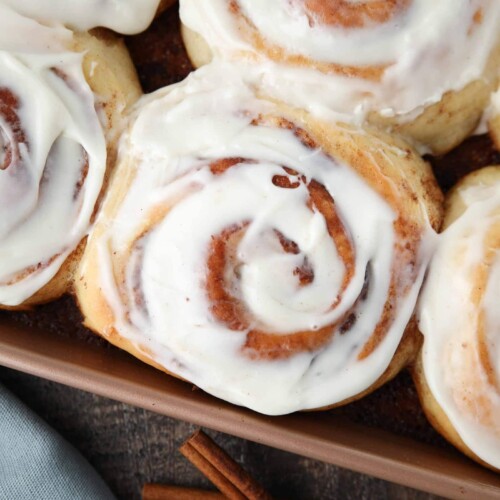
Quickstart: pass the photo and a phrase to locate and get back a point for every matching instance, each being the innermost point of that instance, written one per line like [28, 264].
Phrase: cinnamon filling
[11, 131]
[36, 268]
[83, 175]
[348, 14]
[220, 166]
[223, 279]
[222, 257]
[477, 20]
[223, 268]
[336, 13]
[76, 89]
[136, 276]
[324, 203]
[12, 136]
[404, 263]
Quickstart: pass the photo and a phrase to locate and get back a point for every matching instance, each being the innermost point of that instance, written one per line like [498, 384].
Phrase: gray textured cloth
[35, 462]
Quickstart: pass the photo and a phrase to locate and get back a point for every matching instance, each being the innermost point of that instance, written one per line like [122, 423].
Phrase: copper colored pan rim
[325, 437]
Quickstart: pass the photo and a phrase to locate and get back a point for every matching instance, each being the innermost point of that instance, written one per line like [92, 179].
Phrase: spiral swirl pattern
[461, 357]
[52, 155]
[235, 251]
[345, 14]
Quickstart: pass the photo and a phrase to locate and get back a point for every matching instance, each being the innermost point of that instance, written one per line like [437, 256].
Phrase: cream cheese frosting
[52, 154]
[159, 301]
[124, 16]
[423, 49]
[460, 320]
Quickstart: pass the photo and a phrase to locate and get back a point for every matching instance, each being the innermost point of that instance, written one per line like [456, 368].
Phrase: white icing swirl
[424, 50]
[172, 208]
[459, 317]
[124, 16]
[54, 154]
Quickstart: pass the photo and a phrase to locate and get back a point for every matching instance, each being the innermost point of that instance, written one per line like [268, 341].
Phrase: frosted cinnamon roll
[124, 16]
[58, 110]
[408, 65]
[458, 373]
[269, 258]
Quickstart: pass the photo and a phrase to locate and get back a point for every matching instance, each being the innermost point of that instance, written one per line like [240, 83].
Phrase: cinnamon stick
[231, 479]
[164, 492]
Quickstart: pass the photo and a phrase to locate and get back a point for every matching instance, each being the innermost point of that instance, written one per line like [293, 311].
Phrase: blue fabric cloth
[37, 463]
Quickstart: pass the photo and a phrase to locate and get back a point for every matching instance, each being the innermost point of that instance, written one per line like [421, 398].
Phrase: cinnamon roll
[421, 68]
[61, 102]
[272, 259]
[458, 372]
[124, 16]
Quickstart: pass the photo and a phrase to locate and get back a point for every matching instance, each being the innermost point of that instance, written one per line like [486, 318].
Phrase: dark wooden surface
[130, 446]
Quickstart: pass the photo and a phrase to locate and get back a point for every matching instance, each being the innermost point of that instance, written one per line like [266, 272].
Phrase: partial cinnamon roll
[62, 97]
[407, 65]
[458, 372]
[123, 16]
[494, 118]
[272, 259]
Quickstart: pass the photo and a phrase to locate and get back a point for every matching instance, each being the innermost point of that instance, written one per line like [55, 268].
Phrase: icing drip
[243, 258]
[124, 16]
[367, 56]
[47, 121]
[459, 317]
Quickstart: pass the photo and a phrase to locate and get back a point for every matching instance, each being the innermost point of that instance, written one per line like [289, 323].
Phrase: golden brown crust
[445, 124]
[436, 416]
[197, 48]
[404, 356]
[454, 204]
[494, 122]
[112, 77]
[495, 130]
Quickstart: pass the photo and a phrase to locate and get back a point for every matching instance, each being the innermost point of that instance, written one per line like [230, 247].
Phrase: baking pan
[384, 435]
[328, 436]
